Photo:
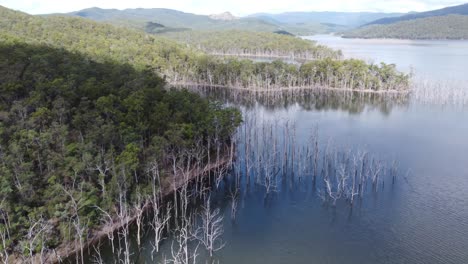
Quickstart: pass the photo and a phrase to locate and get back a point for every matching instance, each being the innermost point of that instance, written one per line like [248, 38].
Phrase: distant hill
[452, 10]
[436, 27]
[174, 20]
[347, 19]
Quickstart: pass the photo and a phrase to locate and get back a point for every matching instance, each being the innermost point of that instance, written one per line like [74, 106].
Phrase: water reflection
[317, 100]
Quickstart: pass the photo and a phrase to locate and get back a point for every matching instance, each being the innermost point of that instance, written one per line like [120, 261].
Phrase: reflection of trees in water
[321, 100]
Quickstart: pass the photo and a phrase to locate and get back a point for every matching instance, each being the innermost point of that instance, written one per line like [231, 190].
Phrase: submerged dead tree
[211, 229]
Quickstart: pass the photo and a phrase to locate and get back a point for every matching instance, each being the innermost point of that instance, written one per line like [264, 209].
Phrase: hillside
[172, 19]
[98, 40]
[176, 21]
[181, 64]
[343, 19]
[452, 10]
[438, 27]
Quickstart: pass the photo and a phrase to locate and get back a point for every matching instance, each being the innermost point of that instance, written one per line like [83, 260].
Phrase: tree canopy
[71, 126]
[266, 44]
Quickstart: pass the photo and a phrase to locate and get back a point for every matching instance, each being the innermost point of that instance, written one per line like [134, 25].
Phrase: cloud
[239, 7]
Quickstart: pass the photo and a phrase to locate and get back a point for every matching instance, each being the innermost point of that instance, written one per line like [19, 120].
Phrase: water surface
[433, 59]
[422, 218]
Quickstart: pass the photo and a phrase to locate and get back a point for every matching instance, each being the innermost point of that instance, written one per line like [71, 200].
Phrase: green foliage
[64, 115]
[254, 44]
[102, 42]
[328, 73]
[439, 27]
[178, 64]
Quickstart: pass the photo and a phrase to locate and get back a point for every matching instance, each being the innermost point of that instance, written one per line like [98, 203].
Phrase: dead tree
[181, 254]
[35, 237]
[353, 190]
[123, 216]
[375, 169]
[97, 258]
[211, 229]
[234, 194]
[184, 234]
[138, 210]
[78, 225]
[107, 222]
[159, 223]
[103, 166]
[4, 234]
[160, 220]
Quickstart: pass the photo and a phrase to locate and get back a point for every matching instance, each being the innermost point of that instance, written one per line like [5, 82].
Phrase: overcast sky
[237, 7]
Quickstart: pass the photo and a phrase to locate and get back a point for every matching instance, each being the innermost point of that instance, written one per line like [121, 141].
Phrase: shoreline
[67, 250]
[263, 56]
[292, 88]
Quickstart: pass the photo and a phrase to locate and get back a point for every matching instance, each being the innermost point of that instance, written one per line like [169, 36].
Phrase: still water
[422, 218]
[434, 59]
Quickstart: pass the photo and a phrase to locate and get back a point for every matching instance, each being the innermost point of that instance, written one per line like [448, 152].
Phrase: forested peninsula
[90, 127]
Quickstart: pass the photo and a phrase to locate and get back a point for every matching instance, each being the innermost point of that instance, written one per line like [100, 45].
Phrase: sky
[237, 7]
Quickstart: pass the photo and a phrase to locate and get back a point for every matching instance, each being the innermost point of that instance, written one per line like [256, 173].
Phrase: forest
[76, 134]
[179, 64]
[438, 27]
[254, 44]
[350, 74]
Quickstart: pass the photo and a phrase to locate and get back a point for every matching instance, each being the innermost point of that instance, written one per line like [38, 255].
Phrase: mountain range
[348, 19]
[446, 23]
[452, 10]
[167, 20]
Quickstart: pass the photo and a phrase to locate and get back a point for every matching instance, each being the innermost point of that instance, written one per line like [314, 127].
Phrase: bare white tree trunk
[211, 230]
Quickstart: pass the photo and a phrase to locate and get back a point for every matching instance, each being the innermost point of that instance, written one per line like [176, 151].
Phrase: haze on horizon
[237, 7]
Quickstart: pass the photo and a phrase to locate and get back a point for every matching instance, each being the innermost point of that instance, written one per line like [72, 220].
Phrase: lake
[432, 59]
[422, 217]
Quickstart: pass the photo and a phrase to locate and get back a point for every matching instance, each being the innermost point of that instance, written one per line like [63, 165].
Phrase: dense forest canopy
[437, 27]
[75, 129]
[98, 40]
